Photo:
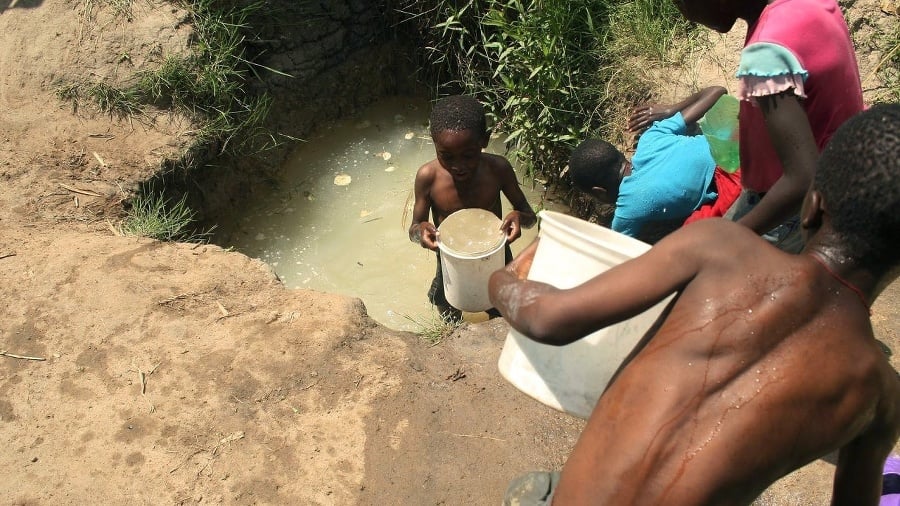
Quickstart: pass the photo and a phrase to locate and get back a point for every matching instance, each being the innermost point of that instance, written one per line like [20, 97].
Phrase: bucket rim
[623, 244]
[472, 256]
[490, 250]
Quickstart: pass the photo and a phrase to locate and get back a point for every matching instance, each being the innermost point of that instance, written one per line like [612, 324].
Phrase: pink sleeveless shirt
[804, 45]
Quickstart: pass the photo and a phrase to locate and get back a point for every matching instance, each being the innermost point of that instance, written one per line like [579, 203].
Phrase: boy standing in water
[763, 362]
[462, 177]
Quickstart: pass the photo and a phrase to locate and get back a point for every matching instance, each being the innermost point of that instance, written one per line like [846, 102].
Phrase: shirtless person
[764, 361]
[462, 177]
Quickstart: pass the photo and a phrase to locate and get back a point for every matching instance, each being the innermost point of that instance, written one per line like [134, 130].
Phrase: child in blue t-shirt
[669, 177]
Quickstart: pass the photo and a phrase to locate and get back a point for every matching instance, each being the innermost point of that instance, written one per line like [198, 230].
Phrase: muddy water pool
[337, 220]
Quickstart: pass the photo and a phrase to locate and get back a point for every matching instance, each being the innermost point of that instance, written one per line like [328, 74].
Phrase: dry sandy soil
[175, 373]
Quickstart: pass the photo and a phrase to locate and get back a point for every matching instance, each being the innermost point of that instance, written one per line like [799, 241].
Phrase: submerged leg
[437, 297]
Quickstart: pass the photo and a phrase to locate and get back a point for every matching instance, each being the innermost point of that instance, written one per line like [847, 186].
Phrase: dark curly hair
[458, 112]
[596, 162]
[858, 175]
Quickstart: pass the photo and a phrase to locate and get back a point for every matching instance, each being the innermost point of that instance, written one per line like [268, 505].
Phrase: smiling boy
[462, 177]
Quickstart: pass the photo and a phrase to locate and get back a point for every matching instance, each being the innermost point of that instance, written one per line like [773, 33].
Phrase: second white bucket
[571, 378]
[471, 245]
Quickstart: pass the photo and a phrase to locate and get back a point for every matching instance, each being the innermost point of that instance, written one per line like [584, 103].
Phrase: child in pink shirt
[799, 81]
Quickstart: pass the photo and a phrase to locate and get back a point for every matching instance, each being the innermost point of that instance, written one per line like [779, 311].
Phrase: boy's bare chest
[451, 196]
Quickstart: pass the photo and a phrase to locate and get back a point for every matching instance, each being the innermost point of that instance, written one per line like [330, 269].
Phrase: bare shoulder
[498, 164]
[428, 169]
[427, 175]
[716, 240]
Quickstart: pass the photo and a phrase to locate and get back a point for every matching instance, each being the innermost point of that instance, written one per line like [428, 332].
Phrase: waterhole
[337, 219]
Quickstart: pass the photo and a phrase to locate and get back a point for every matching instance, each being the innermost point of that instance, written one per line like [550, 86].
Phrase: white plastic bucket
[471, 245]
[571, 378]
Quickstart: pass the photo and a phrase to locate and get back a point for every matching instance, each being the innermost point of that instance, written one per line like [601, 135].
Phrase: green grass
[434, 329]
[651, 29]
[121, 102]
[155, 216]
[642, 36]
[208, 84]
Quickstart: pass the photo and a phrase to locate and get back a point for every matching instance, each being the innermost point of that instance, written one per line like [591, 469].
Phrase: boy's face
[459, 152]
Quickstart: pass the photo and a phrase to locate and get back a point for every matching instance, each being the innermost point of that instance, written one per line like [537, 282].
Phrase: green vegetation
[551, 72]
[209, 84]
[124, 103]
[435, 329]
[153, 215]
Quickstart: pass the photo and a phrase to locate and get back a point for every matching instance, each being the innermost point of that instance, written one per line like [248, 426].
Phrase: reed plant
[551, 72]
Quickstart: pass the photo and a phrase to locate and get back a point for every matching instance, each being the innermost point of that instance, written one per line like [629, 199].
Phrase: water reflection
[337, 222]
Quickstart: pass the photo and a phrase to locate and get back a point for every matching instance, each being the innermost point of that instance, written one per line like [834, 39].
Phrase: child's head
[720, 15]
[459, 132]
[858, 177]
[596, 166]
[458, 112]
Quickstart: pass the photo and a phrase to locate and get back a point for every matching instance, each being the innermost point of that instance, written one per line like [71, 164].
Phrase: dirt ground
[139, 372]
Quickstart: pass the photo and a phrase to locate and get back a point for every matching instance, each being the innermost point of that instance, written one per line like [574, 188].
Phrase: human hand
[511, 226]
[521, 265]
[643, 116]
[427, 235]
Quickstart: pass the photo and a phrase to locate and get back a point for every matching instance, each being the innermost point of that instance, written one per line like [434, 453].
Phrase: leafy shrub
[551, 72]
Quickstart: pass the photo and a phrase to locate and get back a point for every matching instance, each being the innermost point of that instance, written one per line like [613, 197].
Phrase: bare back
[764, 363]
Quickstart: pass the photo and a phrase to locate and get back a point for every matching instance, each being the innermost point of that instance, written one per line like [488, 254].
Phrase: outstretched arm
[793, 140]
[557, 317]
[692, 109]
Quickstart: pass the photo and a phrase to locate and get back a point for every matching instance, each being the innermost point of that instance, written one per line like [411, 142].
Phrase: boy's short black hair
[458, 112]
[858, 175]
[596, 162]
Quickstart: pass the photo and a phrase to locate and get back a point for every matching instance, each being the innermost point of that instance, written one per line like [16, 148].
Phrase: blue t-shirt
[670, 177]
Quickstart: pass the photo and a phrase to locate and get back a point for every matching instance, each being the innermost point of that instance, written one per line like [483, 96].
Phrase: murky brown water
[337, 223]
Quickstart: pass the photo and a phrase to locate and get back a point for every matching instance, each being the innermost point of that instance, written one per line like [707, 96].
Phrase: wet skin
[763, 363]
[462, 177]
